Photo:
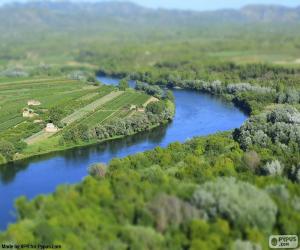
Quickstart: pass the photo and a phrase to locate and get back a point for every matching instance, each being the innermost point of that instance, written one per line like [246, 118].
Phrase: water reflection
[9, 171]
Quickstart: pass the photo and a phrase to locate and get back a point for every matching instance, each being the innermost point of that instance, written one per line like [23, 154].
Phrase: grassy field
[77, 101]
[90, 108]
[116, 108]
[63, 93]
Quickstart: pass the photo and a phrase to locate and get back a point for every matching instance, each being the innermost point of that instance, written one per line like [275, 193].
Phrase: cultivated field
[90, 108]
[118, 107]
[76, 102]
[62, 93]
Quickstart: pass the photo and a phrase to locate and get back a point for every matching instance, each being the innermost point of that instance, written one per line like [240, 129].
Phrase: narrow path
[151, 99]
[79, 114]
[39, 136]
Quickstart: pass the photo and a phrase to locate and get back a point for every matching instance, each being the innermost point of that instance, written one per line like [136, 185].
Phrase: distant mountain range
[270, 13]
[66, 16]
[267, 13]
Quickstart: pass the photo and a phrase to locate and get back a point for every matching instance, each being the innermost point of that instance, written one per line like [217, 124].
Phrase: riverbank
[241, 102]
[44, 148]
[70, 108]
[250, 98]
[196, 115]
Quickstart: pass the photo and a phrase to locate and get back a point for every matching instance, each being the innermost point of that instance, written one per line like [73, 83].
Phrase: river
[197, 114]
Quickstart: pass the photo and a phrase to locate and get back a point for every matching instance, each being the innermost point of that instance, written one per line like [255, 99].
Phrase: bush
[77, 75]
[91, 79]
[292, 96]
[156, 107]
[170, 96]
[76, 134]
[240, 203]
[295, 173]
[2, 159]
[98, 170]
[129, 125]
[279, 191]
[123, 84]
[20, 146]
[150, 90]
[14, 73]
[138, 237]
[273, 168]
[284, 114]
[245, 245]
[279, 126]
[7, 149]
[252, 160]
[245, 87]
[55, 115]
[169, 210]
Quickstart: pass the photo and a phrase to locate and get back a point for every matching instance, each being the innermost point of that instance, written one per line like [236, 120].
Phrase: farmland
[116, 108]
[63, 102]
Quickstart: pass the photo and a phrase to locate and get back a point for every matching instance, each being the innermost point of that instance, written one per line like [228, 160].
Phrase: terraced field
[90, 108]
[118, 107]
[68, 95]
[78, 103]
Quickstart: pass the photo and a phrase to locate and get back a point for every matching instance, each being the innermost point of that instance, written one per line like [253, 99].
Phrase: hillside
[65, 16]
[54, 33]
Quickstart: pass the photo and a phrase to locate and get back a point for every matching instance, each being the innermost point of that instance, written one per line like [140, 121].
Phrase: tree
[169, 210]
[98, 170]
[170, 96]
[155, 107]
[273, 168]
[55, 115]
[245, 245]
[7, 149]
[149, 89]
[78, 133]
[123, 84]
[2, 159]
[252, 160]
[91, 79]
[239, 202]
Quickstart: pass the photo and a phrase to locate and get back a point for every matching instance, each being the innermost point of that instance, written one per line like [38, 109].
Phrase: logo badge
[283, 241]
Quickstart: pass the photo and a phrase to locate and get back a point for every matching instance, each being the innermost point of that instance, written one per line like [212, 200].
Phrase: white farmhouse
[51, 128]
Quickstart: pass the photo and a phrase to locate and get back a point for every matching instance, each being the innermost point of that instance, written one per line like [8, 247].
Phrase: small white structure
[51, 128]
[33, 103]
[28, 113]
[133, 107]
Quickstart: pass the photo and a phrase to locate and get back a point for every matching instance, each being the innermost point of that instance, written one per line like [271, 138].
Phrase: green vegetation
[150, 90]
[197, 195]
[119, 126]
[123, 84]
[74, 107]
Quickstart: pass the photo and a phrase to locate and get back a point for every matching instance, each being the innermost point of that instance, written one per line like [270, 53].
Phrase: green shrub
[156, 107]
[7, 149]
[239, 202]
[123, 84]
[2, 159]
[98, 170]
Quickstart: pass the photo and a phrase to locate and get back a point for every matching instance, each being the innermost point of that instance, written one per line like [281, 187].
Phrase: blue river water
[197, 114]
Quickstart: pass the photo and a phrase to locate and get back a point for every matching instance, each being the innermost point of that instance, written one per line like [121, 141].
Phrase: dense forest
[205, 194]
[230, 190]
